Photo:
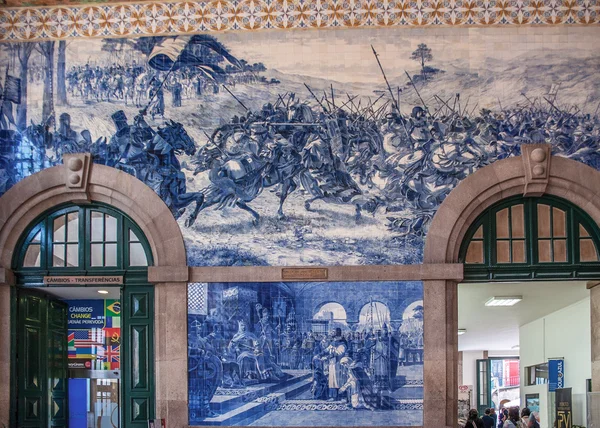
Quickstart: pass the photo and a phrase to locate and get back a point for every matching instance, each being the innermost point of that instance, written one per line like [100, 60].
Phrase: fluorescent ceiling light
[462, 331]
[504, 301]
[102, 291]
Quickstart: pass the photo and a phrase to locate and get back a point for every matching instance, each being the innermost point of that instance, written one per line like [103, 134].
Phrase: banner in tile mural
[94, 334]
[302, 148]
[305, 354]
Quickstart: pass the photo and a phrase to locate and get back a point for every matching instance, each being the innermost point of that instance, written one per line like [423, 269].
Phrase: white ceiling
[497, 328]
[77, 293]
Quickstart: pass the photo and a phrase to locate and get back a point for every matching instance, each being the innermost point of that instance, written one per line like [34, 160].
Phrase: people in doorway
[488, 421]
[503, 418]
[494, 416]
[525, 415]
[473, 421]
[533, 423]
[514, 419]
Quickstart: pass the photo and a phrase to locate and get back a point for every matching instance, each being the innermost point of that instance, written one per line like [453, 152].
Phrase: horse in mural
[151, 156]
[240, 178]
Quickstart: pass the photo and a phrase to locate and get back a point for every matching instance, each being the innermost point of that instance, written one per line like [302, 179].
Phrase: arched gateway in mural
[535, 173]
[78, 183]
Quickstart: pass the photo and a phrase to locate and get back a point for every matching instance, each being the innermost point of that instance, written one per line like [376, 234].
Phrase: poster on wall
[465, 393]
[340, 354]
[94, 334]
[288, 147]
[532, 402]
[564, 408]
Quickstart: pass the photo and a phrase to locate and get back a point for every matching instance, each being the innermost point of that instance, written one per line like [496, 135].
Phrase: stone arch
[320, 306]
[535, 173]
[565, 178]
[80, 181]
[380, 302]
[35, 194]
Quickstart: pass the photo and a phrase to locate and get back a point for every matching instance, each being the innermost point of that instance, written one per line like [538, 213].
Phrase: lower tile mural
[305, 354]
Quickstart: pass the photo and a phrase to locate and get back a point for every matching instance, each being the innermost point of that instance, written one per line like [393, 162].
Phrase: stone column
[440, 369]
[594, 287]
[170, 335]
[7, 281]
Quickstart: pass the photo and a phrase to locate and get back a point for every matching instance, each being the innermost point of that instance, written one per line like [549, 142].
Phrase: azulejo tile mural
[305, 354]
[302, 147]
[222, 15]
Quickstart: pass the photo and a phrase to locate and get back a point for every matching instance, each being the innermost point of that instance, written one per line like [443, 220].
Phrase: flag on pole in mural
[191, 51]
[12, 89]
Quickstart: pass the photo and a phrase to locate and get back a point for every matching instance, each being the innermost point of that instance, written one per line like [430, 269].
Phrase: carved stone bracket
[536, 160]
[77, 172]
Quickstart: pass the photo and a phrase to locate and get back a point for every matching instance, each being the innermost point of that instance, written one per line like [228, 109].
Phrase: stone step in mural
[253, 404]
[228, 399]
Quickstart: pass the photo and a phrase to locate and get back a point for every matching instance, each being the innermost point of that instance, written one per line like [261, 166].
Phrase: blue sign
[85, 314]
[556, 375]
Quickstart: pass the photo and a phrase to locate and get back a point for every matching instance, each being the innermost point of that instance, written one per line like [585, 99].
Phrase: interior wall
[562, 334]
[470, 372]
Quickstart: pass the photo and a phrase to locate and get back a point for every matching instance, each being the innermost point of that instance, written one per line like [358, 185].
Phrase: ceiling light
[462, 331]
[504, 301]
[102, 291]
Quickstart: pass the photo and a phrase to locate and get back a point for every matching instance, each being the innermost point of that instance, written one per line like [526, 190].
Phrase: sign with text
[556, 374]
[85, 314]
[564, 408]
[88, 280]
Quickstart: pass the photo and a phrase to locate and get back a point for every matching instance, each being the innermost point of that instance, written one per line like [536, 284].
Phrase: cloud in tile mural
[305, 354]
[301, 148]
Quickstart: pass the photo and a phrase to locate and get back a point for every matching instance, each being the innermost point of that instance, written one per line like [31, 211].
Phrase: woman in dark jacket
[474, 421]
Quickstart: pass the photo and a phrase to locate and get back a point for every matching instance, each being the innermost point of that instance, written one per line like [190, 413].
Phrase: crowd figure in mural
[357, 364]
[134, 83]
[324, 147]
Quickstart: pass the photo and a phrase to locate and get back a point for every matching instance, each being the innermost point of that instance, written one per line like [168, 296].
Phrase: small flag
[113, 336]
[113, 308]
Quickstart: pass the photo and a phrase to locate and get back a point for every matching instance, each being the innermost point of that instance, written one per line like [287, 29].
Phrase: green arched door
[79, 242]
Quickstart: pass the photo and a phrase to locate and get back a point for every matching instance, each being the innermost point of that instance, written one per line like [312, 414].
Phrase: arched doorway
[62, 253]
[374, 316]
[534, 174]
[52, 189]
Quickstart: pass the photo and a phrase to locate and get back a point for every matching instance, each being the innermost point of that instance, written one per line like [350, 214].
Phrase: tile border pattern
[181, 17]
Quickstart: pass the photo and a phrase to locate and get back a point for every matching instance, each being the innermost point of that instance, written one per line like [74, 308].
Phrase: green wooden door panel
[138, 344]
[57, 363]
[31, 402]
[42, 360]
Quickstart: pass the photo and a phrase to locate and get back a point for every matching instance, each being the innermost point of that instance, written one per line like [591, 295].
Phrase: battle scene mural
[305, 354]
[302, 148]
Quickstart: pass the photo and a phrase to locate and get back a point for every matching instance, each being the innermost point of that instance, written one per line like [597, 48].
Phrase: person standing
[525, 415]
[335, 352]
[494, 416]
[473, 421]
[488, 421]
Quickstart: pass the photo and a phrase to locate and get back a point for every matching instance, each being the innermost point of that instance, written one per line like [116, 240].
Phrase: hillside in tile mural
[302, 147]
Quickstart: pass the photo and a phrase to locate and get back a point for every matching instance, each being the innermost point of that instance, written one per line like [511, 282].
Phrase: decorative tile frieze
[150, 19]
